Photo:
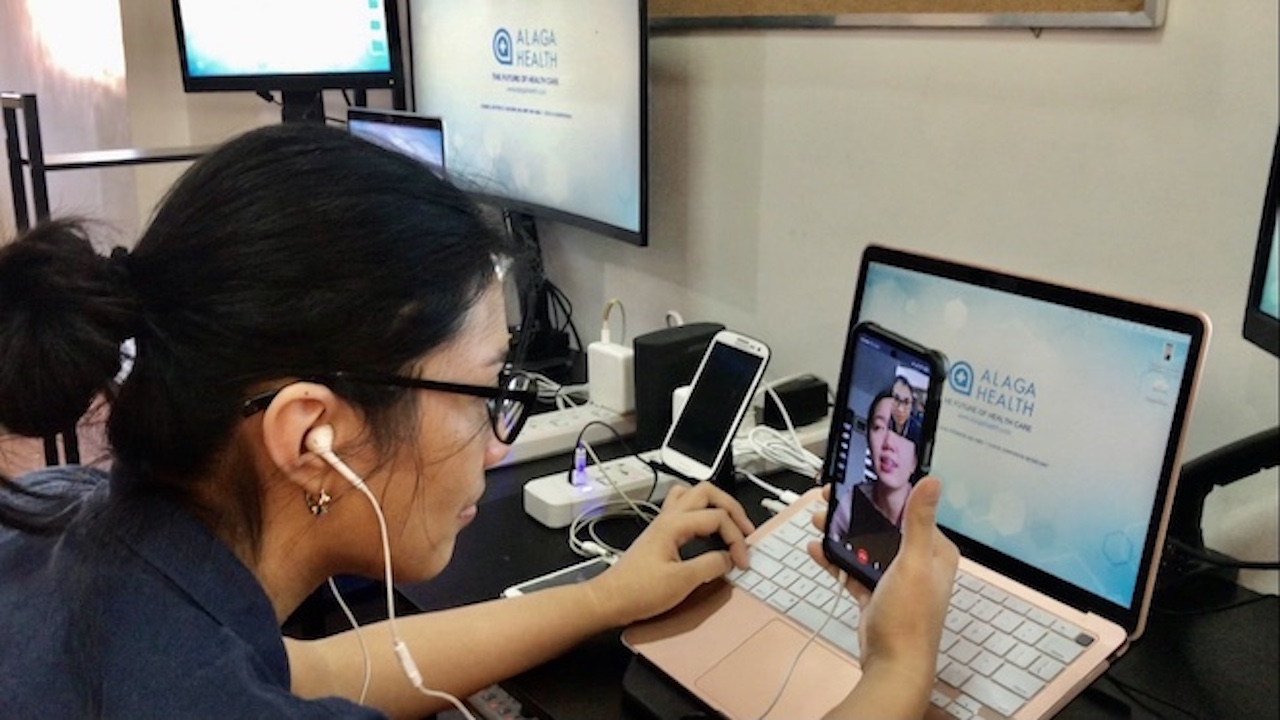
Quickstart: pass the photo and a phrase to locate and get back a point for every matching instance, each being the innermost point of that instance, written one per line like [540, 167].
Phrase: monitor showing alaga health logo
[526, 48]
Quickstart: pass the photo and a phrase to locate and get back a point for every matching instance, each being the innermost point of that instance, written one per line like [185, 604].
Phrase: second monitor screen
[543, 101]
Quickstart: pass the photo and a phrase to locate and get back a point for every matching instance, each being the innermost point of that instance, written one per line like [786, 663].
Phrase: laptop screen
[419, 137]
[1060, 421]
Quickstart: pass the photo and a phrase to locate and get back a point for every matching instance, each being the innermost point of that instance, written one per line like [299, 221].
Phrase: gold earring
[318, 505]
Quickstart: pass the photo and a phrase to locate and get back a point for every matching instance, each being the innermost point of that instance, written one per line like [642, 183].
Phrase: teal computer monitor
[1261, 315]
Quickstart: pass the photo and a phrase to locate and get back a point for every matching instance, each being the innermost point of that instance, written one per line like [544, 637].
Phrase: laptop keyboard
[997, 651]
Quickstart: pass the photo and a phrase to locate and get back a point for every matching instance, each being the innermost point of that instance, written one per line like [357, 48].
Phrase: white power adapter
[611, 368]
[611, 376]
[679, 397]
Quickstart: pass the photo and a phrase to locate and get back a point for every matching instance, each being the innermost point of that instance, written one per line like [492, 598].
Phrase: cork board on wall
[677, 14]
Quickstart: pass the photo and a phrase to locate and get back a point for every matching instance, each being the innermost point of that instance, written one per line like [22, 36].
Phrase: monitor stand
[1187, 565]
[302, 106]
[543, 347]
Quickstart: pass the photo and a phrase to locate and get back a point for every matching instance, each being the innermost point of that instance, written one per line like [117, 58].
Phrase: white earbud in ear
[319, 440]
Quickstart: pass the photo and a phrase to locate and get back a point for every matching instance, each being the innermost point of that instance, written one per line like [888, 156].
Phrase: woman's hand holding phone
[901, 624]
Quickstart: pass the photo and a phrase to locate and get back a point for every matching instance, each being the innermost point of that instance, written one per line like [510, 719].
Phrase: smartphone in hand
[883, 434]
[719, 397]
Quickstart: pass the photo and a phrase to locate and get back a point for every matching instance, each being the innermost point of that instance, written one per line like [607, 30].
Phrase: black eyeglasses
[508, 402]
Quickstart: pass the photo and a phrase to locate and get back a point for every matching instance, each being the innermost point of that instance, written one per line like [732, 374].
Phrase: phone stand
[722, 478]
[724, 475]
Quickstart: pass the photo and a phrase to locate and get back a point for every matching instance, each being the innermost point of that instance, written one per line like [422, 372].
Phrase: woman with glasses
[295, 284]
[906, 418]
[319, 382]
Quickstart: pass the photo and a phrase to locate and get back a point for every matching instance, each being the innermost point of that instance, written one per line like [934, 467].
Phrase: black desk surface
[1192, 662]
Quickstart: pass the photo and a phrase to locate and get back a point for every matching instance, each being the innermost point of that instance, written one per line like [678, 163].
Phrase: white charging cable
[783, 449]
[604, 320]
[773, 506]
[645, 511]
[320, 441]
[550, 391]
[587, 520]
[785, 496]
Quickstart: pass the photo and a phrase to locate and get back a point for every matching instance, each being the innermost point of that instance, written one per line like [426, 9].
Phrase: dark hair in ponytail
[65, 312]
[291, 249]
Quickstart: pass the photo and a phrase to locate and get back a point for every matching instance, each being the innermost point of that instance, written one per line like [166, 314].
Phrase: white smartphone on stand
[719, 397]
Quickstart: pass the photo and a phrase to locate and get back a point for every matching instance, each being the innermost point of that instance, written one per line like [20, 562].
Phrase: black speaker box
[664, 360]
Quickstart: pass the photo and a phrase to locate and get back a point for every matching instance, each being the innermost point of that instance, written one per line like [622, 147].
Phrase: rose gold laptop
[1058, 446]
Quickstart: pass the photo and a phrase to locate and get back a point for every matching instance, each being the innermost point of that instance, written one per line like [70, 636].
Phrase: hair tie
[120, 261]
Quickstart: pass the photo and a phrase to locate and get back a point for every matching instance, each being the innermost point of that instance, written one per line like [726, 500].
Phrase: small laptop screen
[1056, 425]
[421, 138]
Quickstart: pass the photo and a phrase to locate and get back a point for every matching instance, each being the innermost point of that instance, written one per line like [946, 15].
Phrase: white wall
[1130, 162]
[1127, 162]
[76, 71]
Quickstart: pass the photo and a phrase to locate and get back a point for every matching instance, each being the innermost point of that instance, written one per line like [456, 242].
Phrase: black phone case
[925, 444]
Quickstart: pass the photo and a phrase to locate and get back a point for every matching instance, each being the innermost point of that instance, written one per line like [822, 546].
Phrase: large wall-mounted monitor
[546, 102]
[1262, 309]
[296, 47]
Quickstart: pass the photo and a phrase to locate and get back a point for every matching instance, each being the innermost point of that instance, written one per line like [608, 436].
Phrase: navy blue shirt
[136, 611]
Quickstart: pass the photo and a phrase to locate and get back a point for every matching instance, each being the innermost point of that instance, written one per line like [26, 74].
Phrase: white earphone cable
[840, 589]
[364, 649]
[407, 664]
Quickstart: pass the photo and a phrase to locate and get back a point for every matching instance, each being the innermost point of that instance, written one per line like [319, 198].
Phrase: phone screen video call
[885, 437]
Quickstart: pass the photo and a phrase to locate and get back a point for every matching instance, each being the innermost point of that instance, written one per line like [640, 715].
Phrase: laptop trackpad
[748, 679]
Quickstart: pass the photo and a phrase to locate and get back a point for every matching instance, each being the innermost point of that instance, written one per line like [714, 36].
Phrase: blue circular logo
[502, 47]
[961, 378]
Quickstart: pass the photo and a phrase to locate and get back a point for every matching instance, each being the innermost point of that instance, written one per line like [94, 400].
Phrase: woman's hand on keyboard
[901, 623]
[650, 577]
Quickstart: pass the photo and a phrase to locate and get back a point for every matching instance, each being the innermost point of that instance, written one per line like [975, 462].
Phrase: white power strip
[555, 432]
[554, 501]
